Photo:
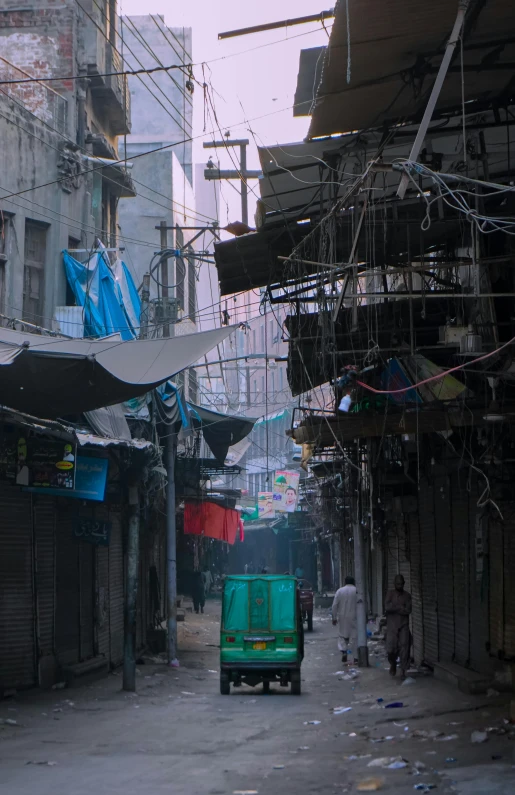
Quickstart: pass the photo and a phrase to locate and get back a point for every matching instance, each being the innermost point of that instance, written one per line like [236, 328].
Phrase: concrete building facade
[60, 190]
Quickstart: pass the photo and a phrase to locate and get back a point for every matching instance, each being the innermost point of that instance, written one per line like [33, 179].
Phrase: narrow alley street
[178, 735]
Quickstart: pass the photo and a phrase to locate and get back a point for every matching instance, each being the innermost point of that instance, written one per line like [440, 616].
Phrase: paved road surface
[180, 737]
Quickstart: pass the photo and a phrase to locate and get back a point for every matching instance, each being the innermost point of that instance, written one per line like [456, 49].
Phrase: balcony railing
[39, 99]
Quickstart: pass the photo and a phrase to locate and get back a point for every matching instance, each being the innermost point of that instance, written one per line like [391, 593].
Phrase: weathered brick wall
[40, 41]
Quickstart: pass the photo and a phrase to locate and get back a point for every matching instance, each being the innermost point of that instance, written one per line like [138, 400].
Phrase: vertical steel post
[244, 191]
[171, 547]
[163, 230]
[359, 570]
[131, 595]
[320, 582]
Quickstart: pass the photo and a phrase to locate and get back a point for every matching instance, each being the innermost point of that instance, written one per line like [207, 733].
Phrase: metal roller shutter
[444, 569]
[416, 590]
[461, 572]
[428, 570]
[509, 583]
[102, 601]
[496, 590]
[17, 647]
[116, 589]
[479, 575]
[87, 600]
[67, 632]
[44, 537]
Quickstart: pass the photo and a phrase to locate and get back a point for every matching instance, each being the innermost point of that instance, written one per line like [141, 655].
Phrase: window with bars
[34, 271]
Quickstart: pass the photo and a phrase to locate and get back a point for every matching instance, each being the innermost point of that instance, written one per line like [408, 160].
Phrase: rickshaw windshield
[259, 603]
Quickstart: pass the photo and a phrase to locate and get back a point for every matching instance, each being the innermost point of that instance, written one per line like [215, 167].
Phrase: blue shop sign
[90, 481]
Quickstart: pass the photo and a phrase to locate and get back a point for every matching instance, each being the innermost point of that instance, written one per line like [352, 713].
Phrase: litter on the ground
[278, 767]
[390, 762]
[409, 681]
[59, 686]
[370, 785]
[479, 737]
[341, 710]
[394, 705]
[400, 724]
[419, 765]
[491, 692]
[380, 700]
[450, 760]
[187, 693]
[303, 748]
[447, 738]
[312, 722]
[8, 722]
[424, 787]
[46, 764]
[245, 792]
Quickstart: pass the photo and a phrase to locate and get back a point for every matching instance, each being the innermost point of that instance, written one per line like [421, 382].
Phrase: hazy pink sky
[252, 84]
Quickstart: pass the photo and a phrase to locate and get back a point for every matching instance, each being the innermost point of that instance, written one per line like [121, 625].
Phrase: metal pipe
[244, 192]
[284, 23]
[435, 93]
[171, 549]
[131, 594]
[359, 574]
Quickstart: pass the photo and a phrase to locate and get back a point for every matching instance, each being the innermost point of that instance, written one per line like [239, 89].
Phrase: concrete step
[96, 666]
[464, 679]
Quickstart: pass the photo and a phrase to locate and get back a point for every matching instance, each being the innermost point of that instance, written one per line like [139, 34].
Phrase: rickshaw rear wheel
[225, 684]
[266, 686]
[310, 622]
[295, 683]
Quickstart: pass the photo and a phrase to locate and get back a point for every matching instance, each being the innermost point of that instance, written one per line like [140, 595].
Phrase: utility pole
[131, 596]
[170, 450]
[359, 567]
[243, 174]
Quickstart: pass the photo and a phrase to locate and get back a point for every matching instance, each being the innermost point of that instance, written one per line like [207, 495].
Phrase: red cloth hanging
[211, 520]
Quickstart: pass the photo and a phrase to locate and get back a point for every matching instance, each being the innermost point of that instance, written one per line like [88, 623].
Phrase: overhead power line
[44, 80]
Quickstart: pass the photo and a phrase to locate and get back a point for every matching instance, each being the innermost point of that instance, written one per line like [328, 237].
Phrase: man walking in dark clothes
[398, 639]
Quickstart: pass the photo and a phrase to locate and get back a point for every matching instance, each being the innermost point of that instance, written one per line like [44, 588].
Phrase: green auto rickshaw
[262, 637]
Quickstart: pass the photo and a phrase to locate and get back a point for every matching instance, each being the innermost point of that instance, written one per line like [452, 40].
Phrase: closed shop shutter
[444, 569]
[461, 573]
[17, 652]
[67, 632]
[87, 599]
[496, 557]
[428, 569]
[116, 589]
[417, 619]
[478, 582]
[509, 582]
[44, 514]
[102, 601]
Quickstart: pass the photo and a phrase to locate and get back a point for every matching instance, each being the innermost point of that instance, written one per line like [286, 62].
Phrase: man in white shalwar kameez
[344, 614]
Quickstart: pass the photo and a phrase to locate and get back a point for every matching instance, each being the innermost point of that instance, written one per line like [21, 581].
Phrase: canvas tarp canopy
[55, 376]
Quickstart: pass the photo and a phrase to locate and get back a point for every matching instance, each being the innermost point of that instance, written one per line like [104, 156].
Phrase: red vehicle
[306, 602]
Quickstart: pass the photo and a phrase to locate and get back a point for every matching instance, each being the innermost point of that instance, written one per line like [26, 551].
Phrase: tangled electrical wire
[456, 197]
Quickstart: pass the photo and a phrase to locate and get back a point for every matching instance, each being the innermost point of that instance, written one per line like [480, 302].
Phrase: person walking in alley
[198, 593]
[344, 614]
[398, 639]
[208, 580]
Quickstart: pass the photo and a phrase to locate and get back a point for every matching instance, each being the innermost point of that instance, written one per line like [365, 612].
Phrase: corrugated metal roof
[396, 46]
